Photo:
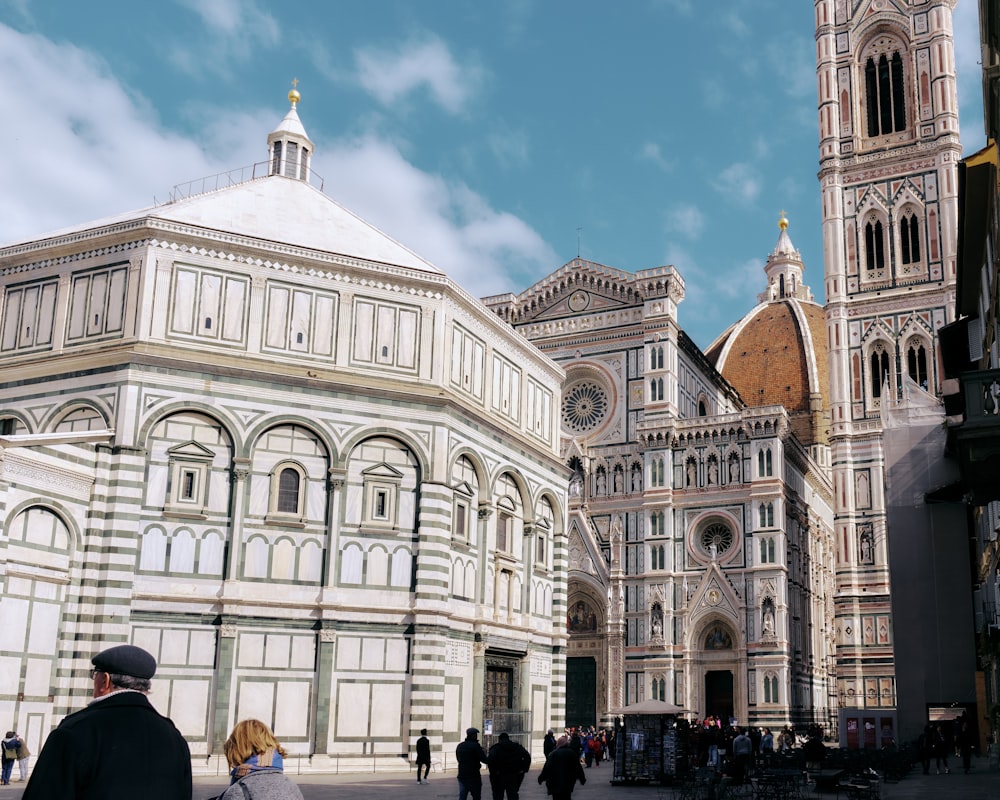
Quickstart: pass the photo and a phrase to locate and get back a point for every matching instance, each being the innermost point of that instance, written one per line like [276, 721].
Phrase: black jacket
[561, 771]
[507, 757]
[470, 755]
[118, 747]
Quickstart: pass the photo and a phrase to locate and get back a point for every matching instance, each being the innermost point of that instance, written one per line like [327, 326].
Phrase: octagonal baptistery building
[317, 480]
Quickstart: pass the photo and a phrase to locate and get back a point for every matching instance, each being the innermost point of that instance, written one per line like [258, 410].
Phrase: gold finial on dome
[783, 222]
[294, 96]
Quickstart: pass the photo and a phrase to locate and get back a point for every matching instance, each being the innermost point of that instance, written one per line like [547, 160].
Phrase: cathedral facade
[701, 562]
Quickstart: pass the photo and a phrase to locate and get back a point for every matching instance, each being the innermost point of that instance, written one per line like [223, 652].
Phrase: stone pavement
[980, 784]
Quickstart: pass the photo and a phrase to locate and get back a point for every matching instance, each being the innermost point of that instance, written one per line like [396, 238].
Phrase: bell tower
[889, 150]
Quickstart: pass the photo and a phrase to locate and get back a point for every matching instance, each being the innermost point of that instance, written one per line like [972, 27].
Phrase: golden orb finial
[294, 96]
[783, 222]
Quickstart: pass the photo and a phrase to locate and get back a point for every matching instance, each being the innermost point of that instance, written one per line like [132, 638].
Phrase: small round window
[585, 406]
[716, 539]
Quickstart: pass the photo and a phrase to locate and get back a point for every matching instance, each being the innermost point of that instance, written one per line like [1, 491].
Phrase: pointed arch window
[879, 361]
[909, 239]
[916, 362]
[765, 464]
[884, 94]
[874, 245]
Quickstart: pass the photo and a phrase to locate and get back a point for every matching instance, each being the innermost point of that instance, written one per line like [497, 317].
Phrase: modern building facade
[289, 457]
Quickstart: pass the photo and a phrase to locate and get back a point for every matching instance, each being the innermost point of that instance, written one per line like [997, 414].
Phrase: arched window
[884, 94]
[770, 688]
[909, 238]
[916, 362]
[874, 245]
[765, 465]
[288, 491]
[879, 360]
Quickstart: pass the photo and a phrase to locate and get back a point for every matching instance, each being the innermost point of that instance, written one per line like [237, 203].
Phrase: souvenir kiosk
[652, 741]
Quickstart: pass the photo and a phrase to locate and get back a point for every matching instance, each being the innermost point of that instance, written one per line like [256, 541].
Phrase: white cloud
[509, 147]
[686, 220]
[81, 148]
[650, 151]
[392, 74]
[234, 32]
[485, 250]
[741, 182]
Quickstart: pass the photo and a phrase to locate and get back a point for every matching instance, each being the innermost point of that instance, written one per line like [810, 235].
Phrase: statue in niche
[602, 482]
[713, 471]
[656, 624]
[767, 623]
[636, 478]
[867, 544]
[734, 470]
[618, 480]
[616, 528]
[575, 486]
[691, 472]
[718, 638]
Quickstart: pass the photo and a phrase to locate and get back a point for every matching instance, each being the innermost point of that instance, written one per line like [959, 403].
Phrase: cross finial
[294, 96]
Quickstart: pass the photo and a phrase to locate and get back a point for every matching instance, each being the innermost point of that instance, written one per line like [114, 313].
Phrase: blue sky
[496, 139]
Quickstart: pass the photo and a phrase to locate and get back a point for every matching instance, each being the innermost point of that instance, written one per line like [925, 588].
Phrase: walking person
[119, 745]
[940, 749]
[23, 758]
[549, 742]
[508, 762]
[742, 756]
[470, 755]
[562, 770]
[423, 756]
[256, 763]
[9, 756]
[925, 748]
[966, 741]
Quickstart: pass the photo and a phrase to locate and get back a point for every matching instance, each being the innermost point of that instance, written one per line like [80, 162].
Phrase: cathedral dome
[777, 354]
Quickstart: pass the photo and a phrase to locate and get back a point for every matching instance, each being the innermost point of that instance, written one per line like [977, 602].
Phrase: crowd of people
[938, 740]
[715, 743]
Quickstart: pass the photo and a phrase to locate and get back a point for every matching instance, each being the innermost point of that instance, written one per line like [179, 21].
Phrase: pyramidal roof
[281, 207]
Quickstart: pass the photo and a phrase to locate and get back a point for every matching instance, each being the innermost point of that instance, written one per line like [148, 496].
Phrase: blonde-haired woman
[255, 761]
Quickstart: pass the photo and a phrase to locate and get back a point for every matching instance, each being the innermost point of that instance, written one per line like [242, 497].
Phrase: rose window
[584, 407]
[718, 536]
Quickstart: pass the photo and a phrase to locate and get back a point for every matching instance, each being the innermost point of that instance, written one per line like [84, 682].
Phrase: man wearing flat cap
[119, 746]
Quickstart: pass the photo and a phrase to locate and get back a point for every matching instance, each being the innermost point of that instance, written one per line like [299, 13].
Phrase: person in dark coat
[507, 762]
[470, 755]
[562, 770]
[423, 756]
[549, 742]
[119, 745]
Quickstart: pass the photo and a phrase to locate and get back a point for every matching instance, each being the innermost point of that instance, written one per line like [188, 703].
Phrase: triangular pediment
[383, 470]
[191, 449]
[714, 595]
[578, 287]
